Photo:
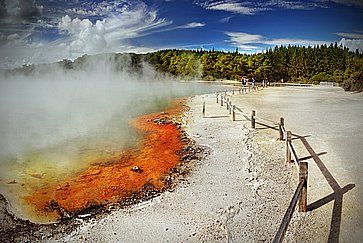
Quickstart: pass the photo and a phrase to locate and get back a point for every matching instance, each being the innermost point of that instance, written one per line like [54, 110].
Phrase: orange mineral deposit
[146, 164]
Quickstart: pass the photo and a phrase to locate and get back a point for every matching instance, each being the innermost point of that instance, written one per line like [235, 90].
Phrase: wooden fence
[291, 84]
[300, 195]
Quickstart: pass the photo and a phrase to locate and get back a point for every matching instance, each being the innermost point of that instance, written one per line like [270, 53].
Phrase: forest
[316, 64]
[300, 64]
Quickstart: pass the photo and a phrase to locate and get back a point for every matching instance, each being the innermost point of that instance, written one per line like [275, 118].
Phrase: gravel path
[238, 193]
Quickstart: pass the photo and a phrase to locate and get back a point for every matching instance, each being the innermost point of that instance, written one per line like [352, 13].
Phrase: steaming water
[53, 126]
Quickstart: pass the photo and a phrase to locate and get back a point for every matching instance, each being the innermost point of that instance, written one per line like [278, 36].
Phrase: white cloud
[99, 9]
[232, 7]
[247, 41]
[295, 5]
[350, 35]
[191, 25]
[299, 42]
[225, 20]
[352, 40]
[244, 8]
[107, 35]
[253, 7]
[80, 36]
[85, 36]
[352, 44]
[249, 48]
[243, 38]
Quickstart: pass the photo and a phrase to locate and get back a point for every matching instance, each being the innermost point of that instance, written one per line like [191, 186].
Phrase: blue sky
[46, 31]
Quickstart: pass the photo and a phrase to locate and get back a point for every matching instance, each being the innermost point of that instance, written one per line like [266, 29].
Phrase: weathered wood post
[233, 113]
[204, 109]
[288, 152]
[253, 121]
[222, 100]
[227, 103]
[230, 107]
[303, 176]
[217, 97]
[281, 131]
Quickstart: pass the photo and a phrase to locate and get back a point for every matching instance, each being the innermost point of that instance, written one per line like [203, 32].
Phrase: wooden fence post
[303, 176]
[233, 113]
[204, 109]
[253, 121]
[288, 152]
[281, 125]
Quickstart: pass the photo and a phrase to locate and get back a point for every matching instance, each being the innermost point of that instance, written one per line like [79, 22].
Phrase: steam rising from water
[58, 121]
[47, 109]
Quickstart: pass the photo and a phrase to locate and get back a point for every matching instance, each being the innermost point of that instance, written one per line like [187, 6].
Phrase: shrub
[321, 77]
[354, 83]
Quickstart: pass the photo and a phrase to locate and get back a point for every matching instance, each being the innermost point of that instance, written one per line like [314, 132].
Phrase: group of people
[251, 82]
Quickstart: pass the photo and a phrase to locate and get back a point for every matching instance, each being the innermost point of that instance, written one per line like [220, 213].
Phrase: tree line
[301, 64]
[315, 64]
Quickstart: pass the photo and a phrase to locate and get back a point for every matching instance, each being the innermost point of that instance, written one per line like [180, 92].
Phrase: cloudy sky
[38, 31]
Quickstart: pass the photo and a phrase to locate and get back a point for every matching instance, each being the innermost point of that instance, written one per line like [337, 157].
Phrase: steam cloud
[52, 106]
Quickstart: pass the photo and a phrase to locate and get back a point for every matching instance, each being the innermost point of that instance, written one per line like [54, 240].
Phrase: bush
[209, 78]
[354, 83]
[321, 77]
[300, 80]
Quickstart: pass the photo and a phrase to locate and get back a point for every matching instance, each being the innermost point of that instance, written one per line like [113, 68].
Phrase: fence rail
[288, 215]
[300, 195]
[291, 84]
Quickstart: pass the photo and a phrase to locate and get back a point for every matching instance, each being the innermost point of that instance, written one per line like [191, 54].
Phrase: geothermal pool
[55, 126]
